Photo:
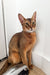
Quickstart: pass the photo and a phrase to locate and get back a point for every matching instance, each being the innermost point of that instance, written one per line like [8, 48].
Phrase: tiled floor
[35, 71]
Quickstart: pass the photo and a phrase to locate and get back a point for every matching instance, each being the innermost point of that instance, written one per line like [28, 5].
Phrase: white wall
[27, 7]
[2, 39]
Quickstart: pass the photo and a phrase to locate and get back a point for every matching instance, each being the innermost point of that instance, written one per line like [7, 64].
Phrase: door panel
[2, 38]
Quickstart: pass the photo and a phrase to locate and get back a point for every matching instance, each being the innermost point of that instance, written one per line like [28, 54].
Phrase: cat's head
[29, 24]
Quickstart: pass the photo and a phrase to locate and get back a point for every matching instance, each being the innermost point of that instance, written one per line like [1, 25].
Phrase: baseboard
[3, 59]
[41, 62]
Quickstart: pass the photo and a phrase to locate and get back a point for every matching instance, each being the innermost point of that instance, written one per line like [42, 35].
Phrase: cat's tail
[4, 68]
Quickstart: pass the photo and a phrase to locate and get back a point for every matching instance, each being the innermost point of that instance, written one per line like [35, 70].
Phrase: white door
[2, 38]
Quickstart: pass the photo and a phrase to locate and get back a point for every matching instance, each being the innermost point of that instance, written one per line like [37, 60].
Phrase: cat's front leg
[29, 59]
[24, 57]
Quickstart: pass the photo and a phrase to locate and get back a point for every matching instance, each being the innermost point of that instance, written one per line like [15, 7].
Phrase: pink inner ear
[21, 18]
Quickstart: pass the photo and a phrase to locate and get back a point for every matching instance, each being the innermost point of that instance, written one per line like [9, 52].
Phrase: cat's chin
[30, 31]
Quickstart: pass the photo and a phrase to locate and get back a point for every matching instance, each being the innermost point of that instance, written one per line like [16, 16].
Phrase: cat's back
[14, 42]
[15, 38]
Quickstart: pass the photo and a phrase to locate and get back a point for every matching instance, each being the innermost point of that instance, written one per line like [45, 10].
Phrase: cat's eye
[27, 24]
[33, 23]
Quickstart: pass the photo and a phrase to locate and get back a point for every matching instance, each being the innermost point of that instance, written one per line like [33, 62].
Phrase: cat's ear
[21, 18]
[34, 16]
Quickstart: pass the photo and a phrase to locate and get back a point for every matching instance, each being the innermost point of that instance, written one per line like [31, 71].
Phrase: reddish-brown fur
[21, 44]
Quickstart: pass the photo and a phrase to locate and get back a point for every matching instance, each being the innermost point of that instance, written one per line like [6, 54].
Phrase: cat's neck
[29, 35]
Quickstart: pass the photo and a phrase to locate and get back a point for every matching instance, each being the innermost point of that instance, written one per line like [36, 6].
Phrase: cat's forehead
[28, 20]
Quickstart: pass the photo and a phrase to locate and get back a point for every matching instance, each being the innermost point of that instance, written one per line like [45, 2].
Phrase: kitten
[21, 44]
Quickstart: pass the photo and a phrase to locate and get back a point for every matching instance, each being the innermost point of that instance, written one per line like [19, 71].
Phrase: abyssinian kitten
[21, 44]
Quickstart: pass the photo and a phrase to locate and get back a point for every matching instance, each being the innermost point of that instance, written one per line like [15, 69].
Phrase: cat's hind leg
[14, 58]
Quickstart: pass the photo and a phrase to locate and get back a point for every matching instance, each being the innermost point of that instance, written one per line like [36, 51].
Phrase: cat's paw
[31, 66]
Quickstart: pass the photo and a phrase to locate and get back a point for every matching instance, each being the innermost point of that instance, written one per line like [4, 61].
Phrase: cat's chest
[31, 43]
[27, 42]
[31, 38]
